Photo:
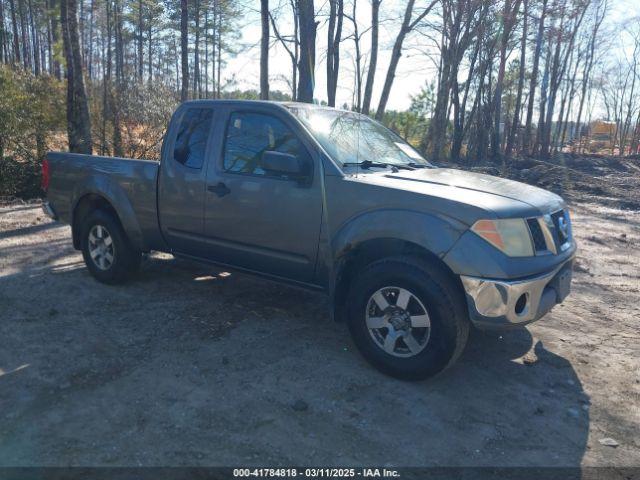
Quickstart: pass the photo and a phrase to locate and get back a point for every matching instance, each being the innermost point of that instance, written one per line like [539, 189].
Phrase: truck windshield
[353, 138]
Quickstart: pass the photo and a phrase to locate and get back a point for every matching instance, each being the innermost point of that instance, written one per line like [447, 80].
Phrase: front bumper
[504, 303]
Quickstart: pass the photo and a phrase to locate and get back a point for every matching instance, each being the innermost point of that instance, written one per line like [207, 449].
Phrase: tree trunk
[206, 53]
[407, 26]
[515, 125]
[91, 26]
[587, 71]
[456, 36]
[184, 48]
[177, 60]
[215, 27]
[296, 50]
[49, 38]
[78, 120]
[373, 60]
[395, 58]
[55, 37]
[106, 81]
[14, 25]
[34, 40]
[557, 74]
[4, 58]
[150, 35]
[119, 42]
[543, 102]
[438, 124]
[534, 77]
[264, 50]
[565, 107]
[460, 123]
[546, 124]
[139, 41]
[333, 48]
[358, 61]
[26, 53]
[197, 85]
[116, 95]
[219, 45]
[508, 20]
[81, 32]
[307, 62]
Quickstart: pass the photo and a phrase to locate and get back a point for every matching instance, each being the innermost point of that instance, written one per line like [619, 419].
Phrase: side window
[249, 135]
[191, 140]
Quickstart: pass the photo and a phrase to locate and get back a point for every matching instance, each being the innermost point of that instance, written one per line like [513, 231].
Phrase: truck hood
[502, 197]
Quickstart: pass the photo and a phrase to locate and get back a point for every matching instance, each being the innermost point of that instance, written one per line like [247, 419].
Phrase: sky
[415, 68]
[412, 73]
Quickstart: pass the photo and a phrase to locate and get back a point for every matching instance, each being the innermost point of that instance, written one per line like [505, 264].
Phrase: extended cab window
[191, 140]
[249, 135]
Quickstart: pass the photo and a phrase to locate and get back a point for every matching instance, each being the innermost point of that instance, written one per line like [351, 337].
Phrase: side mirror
[287, 165]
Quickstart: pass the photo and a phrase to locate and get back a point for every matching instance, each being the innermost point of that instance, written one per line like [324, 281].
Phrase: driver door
[259, 219]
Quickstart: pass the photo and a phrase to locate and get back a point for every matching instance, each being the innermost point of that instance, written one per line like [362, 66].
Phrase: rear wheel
[107, 252]
[407, 317]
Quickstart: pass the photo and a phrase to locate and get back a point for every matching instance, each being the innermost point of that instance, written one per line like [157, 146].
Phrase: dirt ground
[184, 366]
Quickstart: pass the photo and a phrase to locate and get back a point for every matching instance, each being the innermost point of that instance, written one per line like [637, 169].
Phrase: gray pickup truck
[410, 255]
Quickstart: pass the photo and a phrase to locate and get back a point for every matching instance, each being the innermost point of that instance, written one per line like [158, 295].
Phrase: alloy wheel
[398, 321]
[101, 247]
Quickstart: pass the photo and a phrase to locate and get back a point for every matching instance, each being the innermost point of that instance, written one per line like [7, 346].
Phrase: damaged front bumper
[504, 303]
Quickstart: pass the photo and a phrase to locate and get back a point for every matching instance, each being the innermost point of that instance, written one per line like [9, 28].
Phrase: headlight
[510, 236]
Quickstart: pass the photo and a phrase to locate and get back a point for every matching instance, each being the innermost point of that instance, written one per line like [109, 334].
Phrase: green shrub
[32, 120]
[19, 178]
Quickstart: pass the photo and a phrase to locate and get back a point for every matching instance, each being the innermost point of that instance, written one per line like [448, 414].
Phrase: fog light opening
[521, 304]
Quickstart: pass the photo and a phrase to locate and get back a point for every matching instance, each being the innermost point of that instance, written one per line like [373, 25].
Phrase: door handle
[220, 189]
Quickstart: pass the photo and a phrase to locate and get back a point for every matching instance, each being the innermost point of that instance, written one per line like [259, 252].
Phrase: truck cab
[233, 177]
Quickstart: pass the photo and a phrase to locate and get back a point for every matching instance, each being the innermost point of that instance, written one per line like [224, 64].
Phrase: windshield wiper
[417, 165]
[367, 164]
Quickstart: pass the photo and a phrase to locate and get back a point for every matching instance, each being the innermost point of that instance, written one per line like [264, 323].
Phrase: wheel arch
[84, 206]
[369, 251]
[105, 191]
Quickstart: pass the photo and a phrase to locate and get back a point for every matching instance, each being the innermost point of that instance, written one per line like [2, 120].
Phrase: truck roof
[282, 104]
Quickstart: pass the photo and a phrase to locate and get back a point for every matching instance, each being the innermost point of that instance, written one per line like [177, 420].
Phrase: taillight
[45, 175]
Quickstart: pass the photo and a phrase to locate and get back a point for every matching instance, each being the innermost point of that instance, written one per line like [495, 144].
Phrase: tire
[109, 261]
[438, 338]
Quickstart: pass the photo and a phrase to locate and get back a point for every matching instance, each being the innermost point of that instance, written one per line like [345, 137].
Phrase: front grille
[561, 227]
[550, 233]
[539, 242]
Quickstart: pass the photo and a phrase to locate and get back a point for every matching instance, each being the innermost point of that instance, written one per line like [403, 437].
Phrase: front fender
[109, 189]
[436, 233]
[383, 229]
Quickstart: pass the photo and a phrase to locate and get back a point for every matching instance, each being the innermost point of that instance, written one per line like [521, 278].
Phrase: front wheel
[407, 317]
[107, 252]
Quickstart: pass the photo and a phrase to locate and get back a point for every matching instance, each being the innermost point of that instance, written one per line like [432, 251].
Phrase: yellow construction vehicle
[602, 135]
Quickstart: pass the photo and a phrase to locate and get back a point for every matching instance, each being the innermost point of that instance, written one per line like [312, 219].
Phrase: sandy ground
[184, 366]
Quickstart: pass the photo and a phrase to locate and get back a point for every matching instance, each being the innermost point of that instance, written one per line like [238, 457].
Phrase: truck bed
[128, 184]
